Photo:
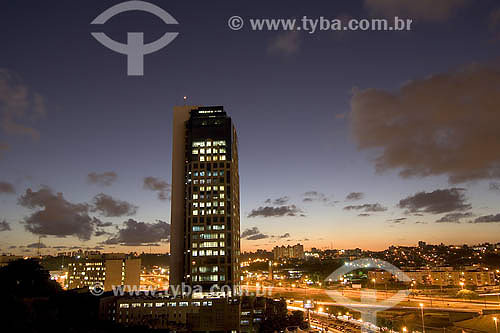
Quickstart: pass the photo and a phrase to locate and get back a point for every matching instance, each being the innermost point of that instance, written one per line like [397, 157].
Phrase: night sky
[346, 139]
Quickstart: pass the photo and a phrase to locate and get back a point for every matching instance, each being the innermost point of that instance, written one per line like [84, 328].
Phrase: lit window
[222, 157]
[195, 151]
[202, 151]
[209, 143]
[195, 212]
[202, 158]
[209, 151]
[195, 196]
[194, 253]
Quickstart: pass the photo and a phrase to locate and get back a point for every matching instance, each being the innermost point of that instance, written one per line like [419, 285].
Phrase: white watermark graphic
[135, 49]
[313, 25]
[183, 290]
[368, 306]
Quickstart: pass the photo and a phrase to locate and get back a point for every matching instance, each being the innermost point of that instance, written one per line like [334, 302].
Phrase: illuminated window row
[208, 204]
[209, 151]
[202, 253]
[209, 278]
[208, 173]
[209, 244]
[197, 196]
[208, 212]
[209, 143]
[209, 158]
[210, 188]
[209, 227]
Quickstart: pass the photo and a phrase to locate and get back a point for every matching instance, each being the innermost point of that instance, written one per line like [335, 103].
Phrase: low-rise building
[108, 270]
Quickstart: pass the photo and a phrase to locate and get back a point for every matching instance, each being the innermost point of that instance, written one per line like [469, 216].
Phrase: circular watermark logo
[368, 305]
[235, 22]
[97, 289]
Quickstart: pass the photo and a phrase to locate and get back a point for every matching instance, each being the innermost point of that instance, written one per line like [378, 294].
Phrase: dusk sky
[346, 139]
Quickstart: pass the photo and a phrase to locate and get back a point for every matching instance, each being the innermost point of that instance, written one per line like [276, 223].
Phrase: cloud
[268, 211]
[353, 196]
[286, 43]
[156, 184]
[494, 23]
[376, 207]
[363, 215]
[4, 226]
[54, 215]
[424, 10]
[36, 246]
[135, 233]
[494, 186]
[436, 202]
[110, 207]
[488, 219]
[7, 188]
[444, 124]
[400, 220]
[102, 179]
[454, 217]
[315, 196]
[19, 107]
[253, 234]
[285, 235]
[279, 201]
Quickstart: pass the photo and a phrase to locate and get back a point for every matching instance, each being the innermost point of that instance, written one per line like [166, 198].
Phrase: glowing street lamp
[495, 319]
[422, 311]
[462, 284]
[405, 329]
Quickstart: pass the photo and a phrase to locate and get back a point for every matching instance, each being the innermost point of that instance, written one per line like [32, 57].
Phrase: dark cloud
[454, 217]
[440, 125]
[372, 208]
[363, 215]
[279, 201]
[290, 210]
[156, 184]
[110, 207]
[54, 215]
[400, 220]
[253, 234]
[285, 235]
[4, 226]
[36, 246]
[7, 188]
[353, 196]
[421, 10]
[436, 202]
[488, 219]
[315, 196]
[136, 233]
[103, 179]
[494, 186]
[19, 107]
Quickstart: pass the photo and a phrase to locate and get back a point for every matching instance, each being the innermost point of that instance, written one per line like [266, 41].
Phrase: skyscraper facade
[205, 222]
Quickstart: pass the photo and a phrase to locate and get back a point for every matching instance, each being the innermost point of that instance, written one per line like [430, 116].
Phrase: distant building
[443, 277]
[422, 244]
[6, 259]
[110, 270]
[295, 251]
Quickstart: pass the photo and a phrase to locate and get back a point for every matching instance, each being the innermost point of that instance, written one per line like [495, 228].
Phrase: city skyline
[340, 144]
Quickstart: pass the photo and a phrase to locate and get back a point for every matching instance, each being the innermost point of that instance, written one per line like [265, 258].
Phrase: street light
[405, 329]
[422, 311]
[462, 284]
[495, 319]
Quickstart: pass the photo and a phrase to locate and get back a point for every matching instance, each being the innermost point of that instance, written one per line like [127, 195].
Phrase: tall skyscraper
[205, 221]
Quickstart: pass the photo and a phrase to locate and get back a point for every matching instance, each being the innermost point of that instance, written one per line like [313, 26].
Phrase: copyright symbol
[235, 22]
[97, 289]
